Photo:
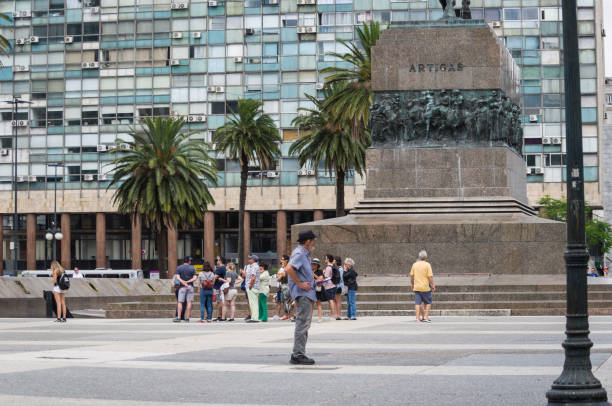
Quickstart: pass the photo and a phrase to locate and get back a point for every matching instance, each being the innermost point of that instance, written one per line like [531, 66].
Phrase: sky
[608, 39]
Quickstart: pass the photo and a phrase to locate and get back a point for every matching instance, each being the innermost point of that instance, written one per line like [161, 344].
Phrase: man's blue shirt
[300, 261]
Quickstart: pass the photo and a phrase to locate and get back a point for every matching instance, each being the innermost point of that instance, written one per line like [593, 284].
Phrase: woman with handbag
[320, 290]
[207, 281]
[59, 294]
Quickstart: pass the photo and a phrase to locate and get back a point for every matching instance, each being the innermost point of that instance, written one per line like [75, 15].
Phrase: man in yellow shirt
[421, 280]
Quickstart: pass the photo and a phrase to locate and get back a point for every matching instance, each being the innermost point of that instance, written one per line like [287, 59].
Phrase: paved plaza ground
[371, 361]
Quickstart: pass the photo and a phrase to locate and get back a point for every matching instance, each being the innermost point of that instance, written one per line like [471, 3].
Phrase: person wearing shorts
[231, 278]
[422, 283]
[186, 277]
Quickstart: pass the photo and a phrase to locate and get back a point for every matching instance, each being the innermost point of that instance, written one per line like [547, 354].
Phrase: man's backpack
[63, 283]
[335, 279]
[207, 284]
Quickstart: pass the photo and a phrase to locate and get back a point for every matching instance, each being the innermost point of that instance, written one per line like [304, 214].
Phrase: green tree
[162, 176]
[598, 233]
[5, 45]
[328, 142]
[351, 105]
[249, 136]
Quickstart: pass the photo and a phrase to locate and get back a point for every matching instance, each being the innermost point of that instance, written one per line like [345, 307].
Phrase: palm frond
[163, 175]
[351, 105]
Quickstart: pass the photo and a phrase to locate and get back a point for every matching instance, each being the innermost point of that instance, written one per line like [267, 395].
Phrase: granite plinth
[445, 173]
[443, 57]
[500, 243]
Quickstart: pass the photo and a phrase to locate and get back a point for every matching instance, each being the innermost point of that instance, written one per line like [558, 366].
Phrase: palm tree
[248, 136]
[328, 142]
[162, 176]
[352, 104]
[5, 45]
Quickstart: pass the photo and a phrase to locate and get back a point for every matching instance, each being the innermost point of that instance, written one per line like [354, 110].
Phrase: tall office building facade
[94, 68]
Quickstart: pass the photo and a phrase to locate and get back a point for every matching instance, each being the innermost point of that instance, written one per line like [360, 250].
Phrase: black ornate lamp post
[54, 232]
[15, 123]
[577, 385]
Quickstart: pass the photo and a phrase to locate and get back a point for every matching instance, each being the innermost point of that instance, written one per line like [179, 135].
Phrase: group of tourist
[220, 285]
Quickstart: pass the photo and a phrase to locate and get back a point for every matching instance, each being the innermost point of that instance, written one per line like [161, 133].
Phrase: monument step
[387, 305]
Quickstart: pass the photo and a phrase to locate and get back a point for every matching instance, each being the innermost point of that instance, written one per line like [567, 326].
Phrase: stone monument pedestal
[444, 173]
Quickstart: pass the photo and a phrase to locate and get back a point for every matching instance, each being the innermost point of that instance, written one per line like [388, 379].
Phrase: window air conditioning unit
[211, 89]
[177, 35]
[22, 68]
[320, 85]
[197, 35]
[68, 40]
[23, 14]
[125, 146]
[538, 171]
[196, 119]
[90, 65]
[238, 59]
[88, 177]
[101, 176]
[219, 89]
[212, 3]
[34, 39]
[556, 140]
[272, 2]
[533, 118]
[546, 140]
[271, 174]
[175, 62]
[302, 172]
[310, 172]
[20, 179]
[249, 31]
[102, 148]
[496, 24]
[19, 123]
[306, 2]
[307, 30]
[5, 151]
[20, 41]
[179, 5]
[32, 178]
[94, 10]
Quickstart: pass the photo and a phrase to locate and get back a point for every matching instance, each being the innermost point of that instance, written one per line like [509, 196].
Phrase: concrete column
[247, 236]
[318, 215]
[31, 241]
[136, 243]
[100, 240]
[66, 254]
[281, 234]
[209, 236]
[172, 251]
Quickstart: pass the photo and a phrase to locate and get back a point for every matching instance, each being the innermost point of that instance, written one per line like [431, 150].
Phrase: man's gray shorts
[219, 294]
[185, 292]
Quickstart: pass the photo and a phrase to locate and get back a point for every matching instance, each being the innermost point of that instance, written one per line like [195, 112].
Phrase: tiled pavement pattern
[371, 361]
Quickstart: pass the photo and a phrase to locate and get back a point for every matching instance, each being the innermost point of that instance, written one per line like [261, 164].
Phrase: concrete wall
[23, 297]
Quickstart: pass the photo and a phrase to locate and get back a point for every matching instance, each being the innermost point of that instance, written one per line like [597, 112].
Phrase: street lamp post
[576, 385]
[54, 233]
[15, 102]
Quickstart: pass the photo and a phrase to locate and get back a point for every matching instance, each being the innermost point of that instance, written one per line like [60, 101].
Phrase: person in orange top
[422, 283]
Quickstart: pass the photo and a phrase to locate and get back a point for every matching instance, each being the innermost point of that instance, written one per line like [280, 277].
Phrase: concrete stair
[440, 206]
[375, 300]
